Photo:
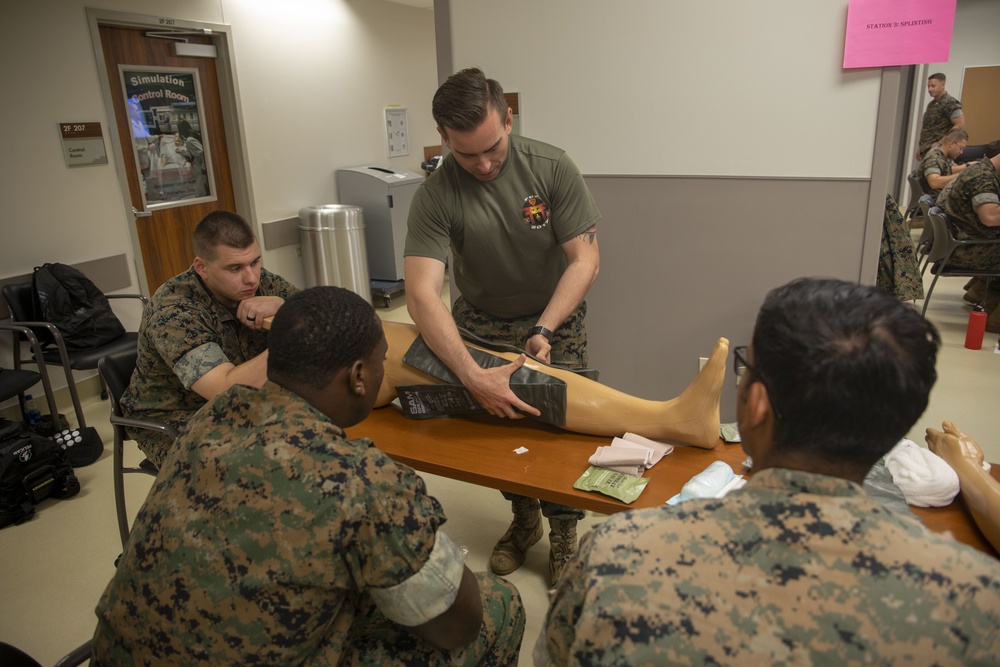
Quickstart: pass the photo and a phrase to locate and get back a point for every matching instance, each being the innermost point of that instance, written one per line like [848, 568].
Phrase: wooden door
[172, 197]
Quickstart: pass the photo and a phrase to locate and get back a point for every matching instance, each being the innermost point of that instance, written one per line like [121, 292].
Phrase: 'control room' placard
[83, 144]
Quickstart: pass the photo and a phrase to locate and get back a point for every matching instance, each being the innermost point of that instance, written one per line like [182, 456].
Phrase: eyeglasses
[740, 364]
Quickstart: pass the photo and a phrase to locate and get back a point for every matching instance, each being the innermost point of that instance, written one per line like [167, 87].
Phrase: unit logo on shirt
[535, 212]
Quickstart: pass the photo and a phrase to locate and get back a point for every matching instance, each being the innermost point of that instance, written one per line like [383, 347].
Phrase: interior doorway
[175, 132]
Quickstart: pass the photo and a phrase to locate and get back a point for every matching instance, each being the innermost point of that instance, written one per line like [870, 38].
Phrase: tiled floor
[54, 568]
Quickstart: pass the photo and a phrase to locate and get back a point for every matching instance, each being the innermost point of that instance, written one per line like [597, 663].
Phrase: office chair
[11, 656]
[20, 299]
[926, 239]
[942, 249]
[14, 382]
[971, 154]
[116, 370]
[916, 192]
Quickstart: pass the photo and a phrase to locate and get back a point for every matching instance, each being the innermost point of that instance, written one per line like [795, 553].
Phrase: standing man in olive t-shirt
[521, 225]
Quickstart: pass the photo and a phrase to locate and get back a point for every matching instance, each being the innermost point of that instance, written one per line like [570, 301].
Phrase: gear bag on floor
[32, 468]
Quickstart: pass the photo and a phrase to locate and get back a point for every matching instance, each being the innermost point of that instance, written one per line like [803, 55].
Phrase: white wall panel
[652, 87]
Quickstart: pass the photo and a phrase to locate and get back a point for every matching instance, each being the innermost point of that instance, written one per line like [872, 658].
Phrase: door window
[167, 126]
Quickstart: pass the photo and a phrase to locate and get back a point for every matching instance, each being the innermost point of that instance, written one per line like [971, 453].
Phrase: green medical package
[625, 488]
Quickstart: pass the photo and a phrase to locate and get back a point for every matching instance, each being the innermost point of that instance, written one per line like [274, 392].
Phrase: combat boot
[524, 530]
[975, 291]
[993, 308]
[562, 546]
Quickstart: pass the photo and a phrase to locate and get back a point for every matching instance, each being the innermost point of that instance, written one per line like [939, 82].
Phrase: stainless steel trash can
[333, 247]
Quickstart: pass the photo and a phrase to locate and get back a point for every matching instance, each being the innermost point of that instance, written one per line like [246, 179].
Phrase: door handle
[141, 214]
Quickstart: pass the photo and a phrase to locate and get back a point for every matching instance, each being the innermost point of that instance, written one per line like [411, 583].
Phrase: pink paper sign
[883, 33]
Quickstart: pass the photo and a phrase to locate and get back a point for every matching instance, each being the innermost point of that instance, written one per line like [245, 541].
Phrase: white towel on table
[925, 479]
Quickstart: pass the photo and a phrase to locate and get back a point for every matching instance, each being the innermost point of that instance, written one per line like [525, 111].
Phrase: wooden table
[481, 451]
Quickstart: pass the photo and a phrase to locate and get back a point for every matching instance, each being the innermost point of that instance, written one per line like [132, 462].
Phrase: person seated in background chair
[938, 167]
[202, 331]
[972, 203]
[799, 566]
[272, 539]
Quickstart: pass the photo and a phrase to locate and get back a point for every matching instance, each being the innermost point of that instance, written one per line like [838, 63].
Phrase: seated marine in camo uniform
[270, 538]
[202, 331]
[800, 566]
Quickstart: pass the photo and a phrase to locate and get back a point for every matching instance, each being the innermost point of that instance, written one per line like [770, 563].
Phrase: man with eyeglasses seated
[799, 566]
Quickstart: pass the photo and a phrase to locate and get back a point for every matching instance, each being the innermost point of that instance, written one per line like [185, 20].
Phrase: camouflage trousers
[985, 256]
[569, 341]
[375, 641]
[898, 268]
[569, 349]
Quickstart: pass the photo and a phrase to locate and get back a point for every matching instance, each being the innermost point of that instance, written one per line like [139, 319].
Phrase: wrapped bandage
[631, 454]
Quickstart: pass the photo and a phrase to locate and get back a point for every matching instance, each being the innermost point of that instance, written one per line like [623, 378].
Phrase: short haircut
[849, 367]
[956, 135]
[993, 149]
[939, 76]
[465, 99]
[316, 333]
[221, 228]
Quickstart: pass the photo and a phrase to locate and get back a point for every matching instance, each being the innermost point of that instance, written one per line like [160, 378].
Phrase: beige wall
[314, 77]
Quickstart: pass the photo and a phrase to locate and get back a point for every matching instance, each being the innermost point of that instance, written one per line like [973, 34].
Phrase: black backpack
[68, 299]
[32, 468]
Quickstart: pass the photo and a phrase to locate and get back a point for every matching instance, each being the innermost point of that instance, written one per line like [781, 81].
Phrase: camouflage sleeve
[195, 364]
[176, 332]
[393, 537]
[954, 109]
[428, 593]
[271, 284]
[933, 164]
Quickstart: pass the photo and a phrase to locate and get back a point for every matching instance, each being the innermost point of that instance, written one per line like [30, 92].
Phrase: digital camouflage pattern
[260, 540]
[569, 349]
[898, 268]
[976, 185]
[793, 569]
[937, 120]
[569, 341]
[377, 642]
[184, 334]
[934, 162]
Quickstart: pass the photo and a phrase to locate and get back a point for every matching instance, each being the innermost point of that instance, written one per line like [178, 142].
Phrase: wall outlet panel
[397, 141]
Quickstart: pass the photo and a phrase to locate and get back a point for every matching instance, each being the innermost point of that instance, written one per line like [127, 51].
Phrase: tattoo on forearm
[590, 235]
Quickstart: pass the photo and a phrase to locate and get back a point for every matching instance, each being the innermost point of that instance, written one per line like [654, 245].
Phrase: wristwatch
[535, 330]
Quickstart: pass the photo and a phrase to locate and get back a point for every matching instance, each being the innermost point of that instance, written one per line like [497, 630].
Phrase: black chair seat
[14, 382]
[958, 271]
[85, 360]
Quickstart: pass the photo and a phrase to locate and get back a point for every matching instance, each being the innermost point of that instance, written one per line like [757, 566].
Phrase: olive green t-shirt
[505, 234]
